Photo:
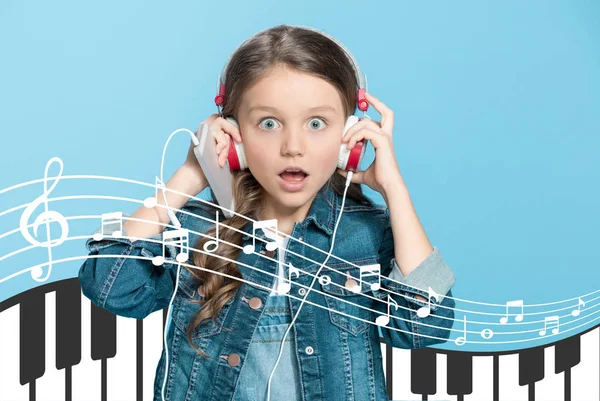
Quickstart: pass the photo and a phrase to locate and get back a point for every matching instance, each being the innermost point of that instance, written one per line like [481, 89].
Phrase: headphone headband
[362, 83]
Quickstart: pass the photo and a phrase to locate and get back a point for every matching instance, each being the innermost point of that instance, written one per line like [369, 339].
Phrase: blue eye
[312, 124]
[270, 126]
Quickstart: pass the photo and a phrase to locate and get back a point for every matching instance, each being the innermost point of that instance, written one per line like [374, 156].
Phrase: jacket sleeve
[434, 273]
[119, 275]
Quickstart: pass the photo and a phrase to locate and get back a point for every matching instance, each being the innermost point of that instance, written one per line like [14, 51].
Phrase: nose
[293, 142]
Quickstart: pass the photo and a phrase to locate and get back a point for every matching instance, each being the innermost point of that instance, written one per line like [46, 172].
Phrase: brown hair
[298, 49]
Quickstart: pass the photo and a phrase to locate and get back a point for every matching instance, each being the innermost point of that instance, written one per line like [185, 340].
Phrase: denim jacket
[336, 339]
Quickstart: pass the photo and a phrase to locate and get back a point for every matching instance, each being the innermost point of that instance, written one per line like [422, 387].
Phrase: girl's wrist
[189, 180]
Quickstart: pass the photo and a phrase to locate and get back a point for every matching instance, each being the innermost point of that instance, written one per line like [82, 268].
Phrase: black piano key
[567, 353]
[423, 370]
[68, 324]
[139, 360]
[531, 365]
[389, 376]
[496, 377]
[104, 342]
[104, 333]
[32, 349]
[460, 373]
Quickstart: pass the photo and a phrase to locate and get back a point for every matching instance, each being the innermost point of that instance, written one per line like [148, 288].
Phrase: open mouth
[293, 176]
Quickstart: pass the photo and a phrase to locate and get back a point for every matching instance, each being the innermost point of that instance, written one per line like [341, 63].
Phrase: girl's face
[289, 118]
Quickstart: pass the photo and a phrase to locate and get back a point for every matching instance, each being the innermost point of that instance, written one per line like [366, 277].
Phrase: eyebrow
[268, 108]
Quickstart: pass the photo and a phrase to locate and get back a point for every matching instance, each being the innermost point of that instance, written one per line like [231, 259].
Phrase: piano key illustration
[71, 355]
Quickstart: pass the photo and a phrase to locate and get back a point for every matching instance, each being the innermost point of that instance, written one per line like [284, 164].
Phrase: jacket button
[255, 302]
[233, 359]
[309, 350]
[301, 291]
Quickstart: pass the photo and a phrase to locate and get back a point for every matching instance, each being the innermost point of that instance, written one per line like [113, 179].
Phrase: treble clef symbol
[46, 217]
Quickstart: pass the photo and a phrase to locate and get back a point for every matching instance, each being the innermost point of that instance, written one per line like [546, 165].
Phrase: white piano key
[552, 386]
[441, 379]
[153, 345]
[509, 389]
[51, 386]
[483, 379]
[401, 375]
[10, 386]
[383, 358]
[584, 375]
[121, 369]
[87, 374]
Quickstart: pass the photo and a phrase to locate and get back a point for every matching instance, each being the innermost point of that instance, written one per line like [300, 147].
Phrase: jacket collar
[322, 212]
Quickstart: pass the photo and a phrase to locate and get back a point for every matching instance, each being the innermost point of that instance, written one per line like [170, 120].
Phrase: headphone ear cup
[236, 156]
[350, 159]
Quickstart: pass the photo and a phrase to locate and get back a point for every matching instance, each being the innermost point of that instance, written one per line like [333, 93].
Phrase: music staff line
[304, 272]
[133, 200]
[312, 275]
[209, 253]
[375, 311]
[76, 258]
[72, 197]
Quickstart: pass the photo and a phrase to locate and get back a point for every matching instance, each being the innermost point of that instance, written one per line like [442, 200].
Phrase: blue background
[496, 126]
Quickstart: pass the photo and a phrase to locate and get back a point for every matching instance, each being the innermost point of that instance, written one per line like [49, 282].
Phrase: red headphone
[348, 159]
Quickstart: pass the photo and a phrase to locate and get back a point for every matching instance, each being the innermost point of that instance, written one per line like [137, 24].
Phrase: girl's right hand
[222, 130]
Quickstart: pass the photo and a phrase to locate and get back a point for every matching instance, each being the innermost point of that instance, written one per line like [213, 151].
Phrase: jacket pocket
[186, 307]
[348, 302]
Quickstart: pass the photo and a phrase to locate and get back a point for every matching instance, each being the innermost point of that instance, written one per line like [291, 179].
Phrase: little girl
[239, 327]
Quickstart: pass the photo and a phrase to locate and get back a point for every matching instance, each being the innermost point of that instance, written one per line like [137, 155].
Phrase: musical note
[179, 238]
[365, 271]
[487, 333]
[424, 311]
[551, 321]
[577, 311]
[371, 270]
[109, 219]
[271, 246]
[214, 242]
[383, 320]
[518, 317]
[153, 200]
[285, 287]
[462, 339]
[46, 217]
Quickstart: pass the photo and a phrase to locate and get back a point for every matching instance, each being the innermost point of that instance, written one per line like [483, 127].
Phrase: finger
[231, 129]
[387, 115]
[365, 133]
[364, 123]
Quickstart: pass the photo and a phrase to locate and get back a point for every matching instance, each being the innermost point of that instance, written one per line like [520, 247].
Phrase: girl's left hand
[384, 170]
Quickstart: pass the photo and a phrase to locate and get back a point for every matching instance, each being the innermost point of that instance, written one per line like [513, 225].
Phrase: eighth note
[271, 246]
[383, 320]
[577, 311]
[284, 288]
[46, 217]
[426, 310]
